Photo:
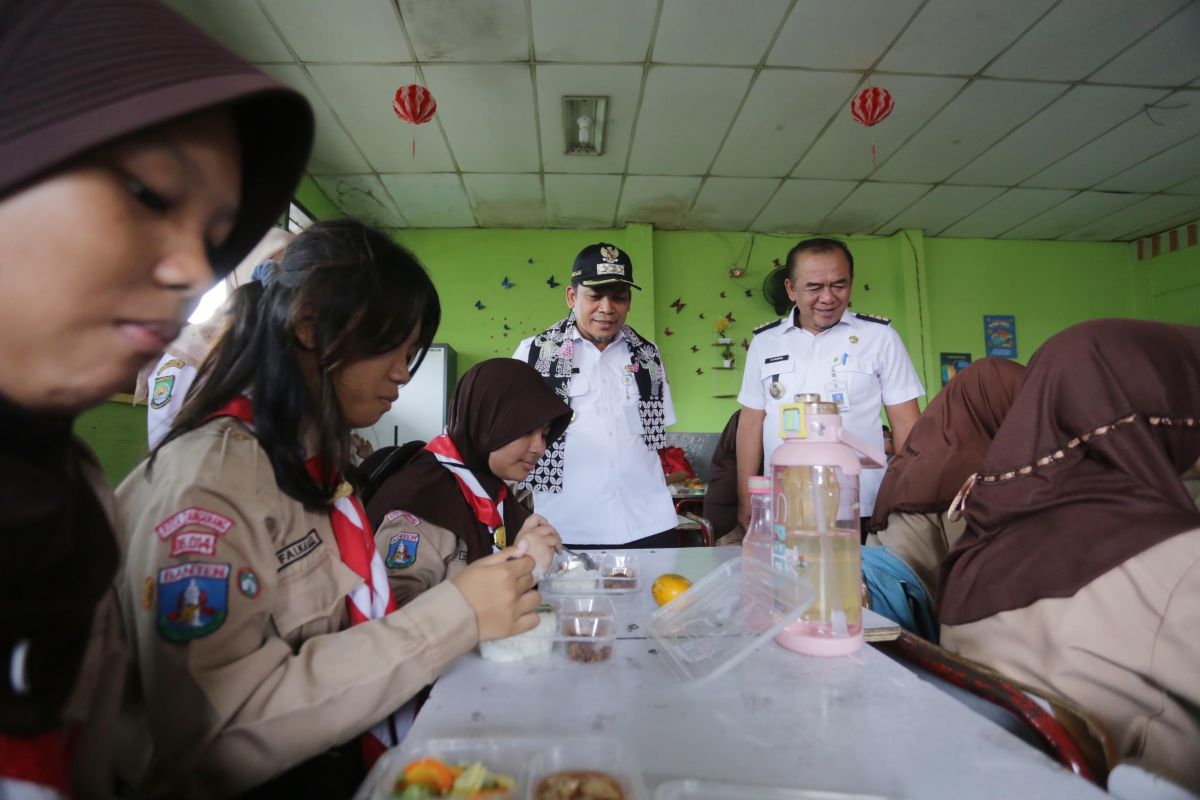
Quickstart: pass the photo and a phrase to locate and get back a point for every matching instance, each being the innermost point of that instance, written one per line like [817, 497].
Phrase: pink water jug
[814, 484]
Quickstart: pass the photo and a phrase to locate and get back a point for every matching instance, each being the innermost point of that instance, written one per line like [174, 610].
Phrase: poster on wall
[1000, 335]
[952, 364]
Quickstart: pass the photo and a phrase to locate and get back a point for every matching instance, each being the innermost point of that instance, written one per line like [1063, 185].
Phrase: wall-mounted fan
[774, 291]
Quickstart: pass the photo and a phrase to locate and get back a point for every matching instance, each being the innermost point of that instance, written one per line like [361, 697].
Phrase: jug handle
[868, 455]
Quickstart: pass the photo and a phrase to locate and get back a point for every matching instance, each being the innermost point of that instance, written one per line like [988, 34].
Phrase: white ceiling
[1021, 119]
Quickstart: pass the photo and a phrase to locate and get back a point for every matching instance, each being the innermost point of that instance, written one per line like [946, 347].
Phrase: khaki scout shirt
[235, 597]
[417, 554]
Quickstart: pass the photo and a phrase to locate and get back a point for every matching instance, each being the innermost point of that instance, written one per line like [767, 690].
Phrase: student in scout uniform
[854, 360]
[615, 383]
[139, 160]
[1079, 571]
[263, 625]
[451, 504]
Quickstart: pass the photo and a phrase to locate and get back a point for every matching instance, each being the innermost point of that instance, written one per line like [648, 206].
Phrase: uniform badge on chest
[776, 389]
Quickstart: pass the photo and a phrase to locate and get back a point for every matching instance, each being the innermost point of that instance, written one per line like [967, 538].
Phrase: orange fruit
[668, 586]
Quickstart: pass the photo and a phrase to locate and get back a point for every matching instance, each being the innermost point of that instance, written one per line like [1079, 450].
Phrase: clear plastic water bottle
[760, 536]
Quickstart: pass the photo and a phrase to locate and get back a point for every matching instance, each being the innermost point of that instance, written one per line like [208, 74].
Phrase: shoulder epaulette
[766, 326]
[873, 318]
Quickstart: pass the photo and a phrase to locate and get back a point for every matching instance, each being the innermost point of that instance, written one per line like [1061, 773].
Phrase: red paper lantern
[415, 105]
[871, 106]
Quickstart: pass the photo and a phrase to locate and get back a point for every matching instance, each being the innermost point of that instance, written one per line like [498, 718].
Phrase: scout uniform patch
[193, 531]
[193, 600]
[163, 386]
[291, 553]
[174, 362]
[410, 518]
[248, 582]
[402, 550]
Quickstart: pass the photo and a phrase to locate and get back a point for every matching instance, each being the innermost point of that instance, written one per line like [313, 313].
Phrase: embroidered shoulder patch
[766, 326]
[248, 582]
[174, 362]
[163, 386]
[193, 600]
[410, 518]
[290, 554]
[402, 550]
[193, 531]
[873, 318]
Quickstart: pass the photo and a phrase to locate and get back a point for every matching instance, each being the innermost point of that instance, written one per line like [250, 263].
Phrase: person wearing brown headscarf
[946, 446]
[139, 160]
[450, 504]
[1079, 571]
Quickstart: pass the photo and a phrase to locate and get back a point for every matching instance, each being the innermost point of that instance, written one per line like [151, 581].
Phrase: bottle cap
[759, 484]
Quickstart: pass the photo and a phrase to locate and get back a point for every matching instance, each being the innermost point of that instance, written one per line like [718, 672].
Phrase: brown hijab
[76, 75]
[720, 501]
[1085, 471]
[495, 402]
[949, 441]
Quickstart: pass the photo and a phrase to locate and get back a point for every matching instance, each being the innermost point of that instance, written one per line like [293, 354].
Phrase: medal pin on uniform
[853, 340]
[776, 389]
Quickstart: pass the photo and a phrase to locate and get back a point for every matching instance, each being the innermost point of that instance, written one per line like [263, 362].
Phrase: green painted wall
[1046, 285]
[116, 431]
[1174, 284]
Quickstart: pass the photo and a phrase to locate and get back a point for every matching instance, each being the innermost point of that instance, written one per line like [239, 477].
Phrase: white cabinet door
[420, 410]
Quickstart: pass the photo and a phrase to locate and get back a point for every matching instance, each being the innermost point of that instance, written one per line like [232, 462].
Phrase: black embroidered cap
[602, 263]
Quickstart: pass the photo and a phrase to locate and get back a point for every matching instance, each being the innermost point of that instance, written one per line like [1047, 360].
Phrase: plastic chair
[1069, 733]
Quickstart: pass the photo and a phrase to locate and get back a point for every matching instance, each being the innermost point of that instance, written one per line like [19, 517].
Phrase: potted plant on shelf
[727, 358]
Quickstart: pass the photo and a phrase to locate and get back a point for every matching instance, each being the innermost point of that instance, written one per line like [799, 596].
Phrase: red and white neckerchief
[35, 767]
[489, 512]
[369, 600]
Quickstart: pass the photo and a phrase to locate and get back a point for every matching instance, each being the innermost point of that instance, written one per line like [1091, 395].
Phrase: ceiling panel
[1135, 217]
[620, 84]
[506, 201]
[581, 201]
[684, 116]
[362, 97]
[729, 203]
[431, 201]
[1168, 56]
[1082, 209]
[658, 199]
[799, 206]
[467, 30]
[1006, 212]
[1162, 225]
[984, 112]
[334, 152]
[349, 30]
[487, 112]
[1082, 114]
[784, 113]
[959, 37]
[1174, 119]
[848, 34]
[239, 24]
[843, 151]
[362, 196]
[871, 205]
[941, 208]
[584, 30]
[716, 31]
[1187, 187]
[1157, 174]
[1077, 36]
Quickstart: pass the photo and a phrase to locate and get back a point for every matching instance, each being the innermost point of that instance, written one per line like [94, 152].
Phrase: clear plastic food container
[598, 755]
[615, 573]
[725, 615]
[583, 630]
[712, 790]
[528, 760]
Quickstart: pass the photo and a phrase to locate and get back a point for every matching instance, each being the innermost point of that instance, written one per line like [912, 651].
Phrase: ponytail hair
[362, 294]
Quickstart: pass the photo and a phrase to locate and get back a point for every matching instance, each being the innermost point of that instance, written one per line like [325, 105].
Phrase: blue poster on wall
[1000, 335]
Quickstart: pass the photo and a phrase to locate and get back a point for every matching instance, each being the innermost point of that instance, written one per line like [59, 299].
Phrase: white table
[860, 723]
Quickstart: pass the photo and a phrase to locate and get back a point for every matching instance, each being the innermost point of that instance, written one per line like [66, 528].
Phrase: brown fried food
[579, 785]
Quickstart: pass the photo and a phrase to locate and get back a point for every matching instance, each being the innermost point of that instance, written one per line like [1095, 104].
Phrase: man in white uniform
[602, 483]
[855, 360]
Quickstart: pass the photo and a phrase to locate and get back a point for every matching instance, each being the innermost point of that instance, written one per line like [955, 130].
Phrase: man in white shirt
[602, 483]
[855, 360]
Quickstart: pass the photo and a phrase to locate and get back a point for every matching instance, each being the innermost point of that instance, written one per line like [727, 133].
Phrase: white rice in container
[536, 642]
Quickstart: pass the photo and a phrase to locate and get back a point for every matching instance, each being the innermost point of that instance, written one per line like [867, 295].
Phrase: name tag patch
[193, 600]
[295, 551]
[775, 359]
[402, 550]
